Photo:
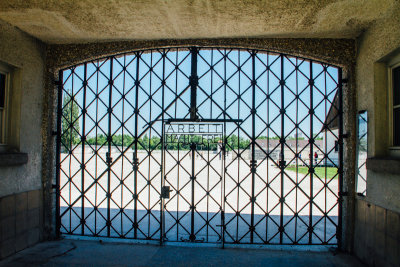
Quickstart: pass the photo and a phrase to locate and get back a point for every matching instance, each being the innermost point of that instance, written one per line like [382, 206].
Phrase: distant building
[273, 148]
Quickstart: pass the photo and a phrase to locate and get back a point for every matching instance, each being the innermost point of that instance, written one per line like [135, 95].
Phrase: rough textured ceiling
[77, 21]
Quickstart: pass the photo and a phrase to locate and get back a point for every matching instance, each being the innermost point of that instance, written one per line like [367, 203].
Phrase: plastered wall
[26, 55]
[377, 220]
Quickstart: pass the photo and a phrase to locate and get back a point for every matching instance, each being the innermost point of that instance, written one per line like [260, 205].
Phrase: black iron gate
[271, 174]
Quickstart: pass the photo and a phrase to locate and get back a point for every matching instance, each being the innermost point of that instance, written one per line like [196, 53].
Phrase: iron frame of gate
[193, 116]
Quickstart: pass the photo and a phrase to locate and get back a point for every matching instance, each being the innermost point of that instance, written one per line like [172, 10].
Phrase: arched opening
[200, 144]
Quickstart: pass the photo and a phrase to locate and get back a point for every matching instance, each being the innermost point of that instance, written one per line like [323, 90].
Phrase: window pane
[362, 153]
[396, 127]
[396, 86]
[2, 89]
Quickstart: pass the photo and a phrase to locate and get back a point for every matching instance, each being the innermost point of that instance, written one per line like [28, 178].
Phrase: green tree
[69, 122]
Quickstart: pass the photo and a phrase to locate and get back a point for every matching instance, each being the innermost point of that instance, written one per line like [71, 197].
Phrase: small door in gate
[193, 162]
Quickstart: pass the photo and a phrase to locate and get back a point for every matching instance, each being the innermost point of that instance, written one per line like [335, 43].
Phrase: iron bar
[193, 85]
[253, 143]
[311, 141]
[135, 159]
[162, 218]
[83, 150]
[282, 140]
[339, 233]
[58, 151]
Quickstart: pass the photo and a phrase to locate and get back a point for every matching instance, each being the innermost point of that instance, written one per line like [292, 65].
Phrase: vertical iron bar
[58, 151]
[135, 159]
[193, 85]
[83, 138]
[123, 145]
[192, 236]
[109, 137]
[268, 151]
[311, 112]
[149, 144]
[162, 227]
[297, 151]
[238, 158]
[223, 166]
[340, 94]
[97, 151]
[282, 141]
[70, 151]
[253, 141]
[325, 151]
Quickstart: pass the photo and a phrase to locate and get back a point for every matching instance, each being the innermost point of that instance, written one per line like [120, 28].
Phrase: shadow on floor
[95, 253]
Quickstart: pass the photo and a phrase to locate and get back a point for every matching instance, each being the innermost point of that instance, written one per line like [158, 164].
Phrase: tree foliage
[69, 123]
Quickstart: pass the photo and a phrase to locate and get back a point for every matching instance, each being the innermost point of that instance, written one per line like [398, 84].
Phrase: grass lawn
[320, 171]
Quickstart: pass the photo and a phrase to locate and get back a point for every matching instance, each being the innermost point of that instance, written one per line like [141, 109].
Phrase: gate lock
[165, 192]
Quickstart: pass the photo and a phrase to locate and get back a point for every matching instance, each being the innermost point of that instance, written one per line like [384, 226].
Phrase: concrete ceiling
[77, 21]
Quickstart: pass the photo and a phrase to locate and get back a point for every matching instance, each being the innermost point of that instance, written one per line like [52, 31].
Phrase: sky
[213, 67]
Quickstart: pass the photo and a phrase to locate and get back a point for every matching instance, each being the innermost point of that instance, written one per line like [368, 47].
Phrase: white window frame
[393, 63]
[5, 70]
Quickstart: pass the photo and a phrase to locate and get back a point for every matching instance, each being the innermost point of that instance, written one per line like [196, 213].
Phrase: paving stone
[21, 202]
[33, 218]
[392, 250]
[33, 236]
[380, 219]
[21, 241]
[21, 222]
[7, 206]
[393, 225]
[92, 253]
[34, 199]
[8, 228]
[7, 247]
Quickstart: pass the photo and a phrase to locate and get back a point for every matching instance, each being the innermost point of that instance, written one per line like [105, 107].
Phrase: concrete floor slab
[95, 253]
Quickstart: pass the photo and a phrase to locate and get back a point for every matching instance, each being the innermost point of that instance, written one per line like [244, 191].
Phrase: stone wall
[377, 223]
[21, 220]
[377, 235]
[21, 184]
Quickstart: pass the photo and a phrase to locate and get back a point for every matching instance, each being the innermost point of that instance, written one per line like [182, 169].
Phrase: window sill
[389, 165]
[13, 158]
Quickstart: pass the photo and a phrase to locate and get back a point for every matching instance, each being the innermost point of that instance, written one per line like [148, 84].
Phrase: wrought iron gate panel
[266, 184]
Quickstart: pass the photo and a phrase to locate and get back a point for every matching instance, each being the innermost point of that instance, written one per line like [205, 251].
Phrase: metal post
[109, 141]
[282, 140]
[193, 80]
[83, 139]
[58, 151]
[339, 232]
[135, 159]
[311, 141]
[253, 144]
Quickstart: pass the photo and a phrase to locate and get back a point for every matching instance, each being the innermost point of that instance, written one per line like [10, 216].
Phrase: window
[4, 92]
[395, 86]
[362, 153]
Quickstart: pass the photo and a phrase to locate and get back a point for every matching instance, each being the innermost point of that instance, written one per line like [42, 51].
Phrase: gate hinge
[345, 80]
[343, 194]
[345, 135]
[57, 82]
[54, 133]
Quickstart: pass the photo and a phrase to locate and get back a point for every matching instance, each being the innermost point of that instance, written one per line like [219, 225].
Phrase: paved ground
[94, 253]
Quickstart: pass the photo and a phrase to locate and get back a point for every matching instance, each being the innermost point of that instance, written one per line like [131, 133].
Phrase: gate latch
[165, 192]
